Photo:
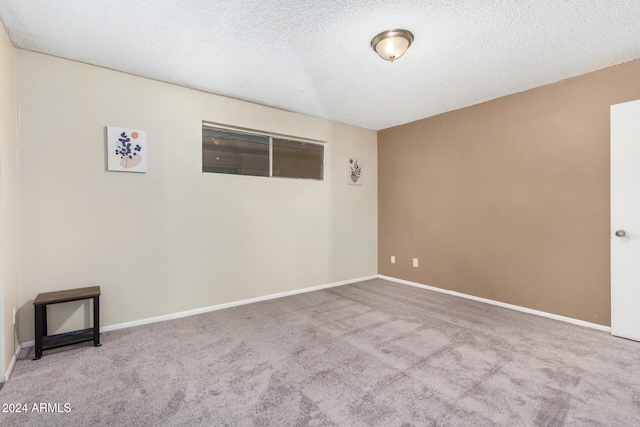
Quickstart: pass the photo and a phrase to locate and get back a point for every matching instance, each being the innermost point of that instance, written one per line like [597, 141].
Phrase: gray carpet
[372, 353]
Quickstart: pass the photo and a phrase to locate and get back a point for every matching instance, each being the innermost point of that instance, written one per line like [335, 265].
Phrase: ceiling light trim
[394, 43]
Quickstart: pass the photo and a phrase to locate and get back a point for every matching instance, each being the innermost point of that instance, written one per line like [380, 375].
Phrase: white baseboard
[7, 374]
[501, 304]
[220, 306]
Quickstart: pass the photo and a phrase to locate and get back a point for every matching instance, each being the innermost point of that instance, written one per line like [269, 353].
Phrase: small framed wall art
[126, 149]
[354, 171]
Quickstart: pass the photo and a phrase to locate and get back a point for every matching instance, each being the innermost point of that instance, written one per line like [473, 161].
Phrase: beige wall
[509, 199]
[8, 201]
[174, 239]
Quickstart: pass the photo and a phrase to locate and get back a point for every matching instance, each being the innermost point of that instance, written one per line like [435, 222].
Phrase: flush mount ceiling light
[392, 44]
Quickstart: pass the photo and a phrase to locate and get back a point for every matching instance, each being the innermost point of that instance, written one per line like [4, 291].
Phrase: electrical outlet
[393, 259]
[15, 311]
[415, 262]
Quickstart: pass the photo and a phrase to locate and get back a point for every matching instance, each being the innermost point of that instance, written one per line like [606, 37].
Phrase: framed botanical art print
[354, 171]
[126, 149]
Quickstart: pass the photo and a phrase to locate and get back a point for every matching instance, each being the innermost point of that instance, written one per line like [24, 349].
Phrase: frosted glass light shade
[392, 44]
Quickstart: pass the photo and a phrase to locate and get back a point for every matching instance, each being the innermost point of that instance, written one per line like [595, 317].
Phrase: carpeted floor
[372, 353]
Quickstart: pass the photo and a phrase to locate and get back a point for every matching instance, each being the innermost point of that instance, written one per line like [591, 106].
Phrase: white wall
[174, 239]
[8, 202]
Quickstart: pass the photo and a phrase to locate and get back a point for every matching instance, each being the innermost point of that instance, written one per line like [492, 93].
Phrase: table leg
[39, 309]
[44, 321]
[96, 321]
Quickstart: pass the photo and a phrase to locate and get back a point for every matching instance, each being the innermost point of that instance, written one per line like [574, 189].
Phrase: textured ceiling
[314, 57]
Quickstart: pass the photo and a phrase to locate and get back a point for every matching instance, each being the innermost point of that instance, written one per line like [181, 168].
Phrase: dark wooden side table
[47, 342]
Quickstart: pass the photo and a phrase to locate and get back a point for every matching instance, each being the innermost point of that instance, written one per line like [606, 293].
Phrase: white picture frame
[354, 171]
[126, 149]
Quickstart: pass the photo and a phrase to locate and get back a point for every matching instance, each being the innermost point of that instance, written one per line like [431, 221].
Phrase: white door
[625, 220]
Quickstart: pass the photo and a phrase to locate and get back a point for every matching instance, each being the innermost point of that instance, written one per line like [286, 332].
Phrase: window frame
[271, 136]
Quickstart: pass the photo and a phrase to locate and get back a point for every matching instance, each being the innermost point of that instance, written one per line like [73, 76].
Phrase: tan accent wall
[509, 199]
[8, 201]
